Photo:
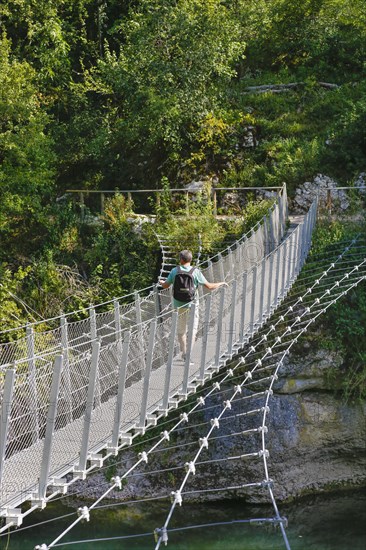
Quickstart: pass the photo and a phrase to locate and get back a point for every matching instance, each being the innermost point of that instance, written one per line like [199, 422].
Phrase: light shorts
[183, 317]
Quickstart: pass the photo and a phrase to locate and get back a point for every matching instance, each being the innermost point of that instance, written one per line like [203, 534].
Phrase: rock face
[360, 183]
[316, 443]
[307, 192]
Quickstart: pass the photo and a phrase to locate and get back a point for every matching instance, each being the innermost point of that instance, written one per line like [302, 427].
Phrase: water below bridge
[332, 522]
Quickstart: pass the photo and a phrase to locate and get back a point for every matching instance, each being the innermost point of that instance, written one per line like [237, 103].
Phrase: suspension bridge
[75, 395]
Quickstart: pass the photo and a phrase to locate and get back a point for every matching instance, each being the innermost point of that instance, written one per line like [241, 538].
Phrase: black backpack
[183, 287]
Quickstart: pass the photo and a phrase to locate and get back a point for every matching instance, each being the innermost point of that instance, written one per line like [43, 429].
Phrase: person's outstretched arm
[212, 286]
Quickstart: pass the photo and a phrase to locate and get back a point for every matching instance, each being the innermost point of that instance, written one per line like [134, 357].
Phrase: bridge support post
[271, 274]
[93, 337]
[253, 301]
[206, 328]
[284, 263]
[88, 409]
[168, 372]
[50, 427]
[66, 366]
[145, 391]
[219, 327]
[304, 240]
[262, 291]
[271, 230]
[159, 334]
[190, 342]
[232, 319]
[5, 414]
[210, 271]
[243, 308]
[221, 266]
[33, 394]
[295, 255]
[139, 328]
[122, 368]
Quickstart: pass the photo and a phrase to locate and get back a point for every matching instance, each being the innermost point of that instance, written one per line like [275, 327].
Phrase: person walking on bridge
[186, 280]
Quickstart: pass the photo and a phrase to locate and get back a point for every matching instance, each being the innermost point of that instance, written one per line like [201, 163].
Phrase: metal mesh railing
[248, 266]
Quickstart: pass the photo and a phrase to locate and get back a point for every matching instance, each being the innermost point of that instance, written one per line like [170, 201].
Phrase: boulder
[307, 192]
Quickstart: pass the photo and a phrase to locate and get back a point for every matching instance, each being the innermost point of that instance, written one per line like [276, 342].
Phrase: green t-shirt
[198, 279]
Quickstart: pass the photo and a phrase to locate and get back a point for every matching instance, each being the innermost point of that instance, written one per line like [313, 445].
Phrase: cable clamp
[176, 497]
[216, 386]
[165, 536]
[203, 441]
[309, 290]
[301, 299]
[264, 453]
[278, 339]
[357, 268]
[275, 376]
[237, 388]
[272, 327]
[143, 456]
[282, 318]
[190, 467]
[118, 481]
[258, 363]
[242, 361]
[346, 276]
[307, 310]
[230, 372]
[184, 417]
[317, 282]
[327, 291]
[298, 319]
[165, 435]
[290, 308]
[252, 348]
[325, 273]
[332, 265]
[264, 338]
[200, 401]
[41, 547]
[284, 521]
[317, 301]
[161, 533]
[268, 392]
[215, 423]
[263, 429]
[288, 329]
[265, 409]
[83, 512]
[267, 483]
[336, 283]
[269, 351]
[248, 374]
[227, 404]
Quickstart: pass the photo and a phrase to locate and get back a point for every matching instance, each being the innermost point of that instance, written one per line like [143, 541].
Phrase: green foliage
[98, 95]
[27, 161]
[12, 311]
[254, 211]
[194, 220]
[344, 324]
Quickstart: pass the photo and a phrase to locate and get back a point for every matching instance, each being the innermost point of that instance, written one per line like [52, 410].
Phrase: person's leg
[195, 324]
[182, 328]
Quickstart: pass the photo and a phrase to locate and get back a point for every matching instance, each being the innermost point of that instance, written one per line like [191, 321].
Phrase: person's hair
[186, 256]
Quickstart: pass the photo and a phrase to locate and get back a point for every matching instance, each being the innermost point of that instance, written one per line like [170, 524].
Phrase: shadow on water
[335, 522]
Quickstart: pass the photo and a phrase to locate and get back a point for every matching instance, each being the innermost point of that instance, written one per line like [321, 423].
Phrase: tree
[168, 75]
[27, 163]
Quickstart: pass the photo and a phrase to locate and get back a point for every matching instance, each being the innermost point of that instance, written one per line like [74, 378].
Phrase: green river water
[336, 522]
